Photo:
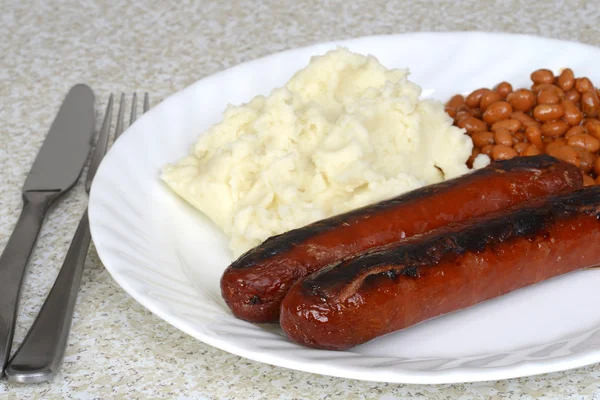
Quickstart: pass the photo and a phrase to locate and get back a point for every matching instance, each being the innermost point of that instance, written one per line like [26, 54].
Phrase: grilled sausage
[254, 285]
[445, 270]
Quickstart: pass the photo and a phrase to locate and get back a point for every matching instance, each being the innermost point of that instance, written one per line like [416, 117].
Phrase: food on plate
[360, 209]
[344, 132]
[558, 115]
[255, 284]
[448, 269]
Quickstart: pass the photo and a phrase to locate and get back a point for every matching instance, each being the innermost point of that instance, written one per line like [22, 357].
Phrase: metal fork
[41, 353]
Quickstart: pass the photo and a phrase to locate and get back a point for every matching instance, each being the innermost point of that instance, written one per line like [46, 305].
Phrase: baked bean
[534, 135]
[572, 95]
[461, 115]
[590, 103]
[592, 127]
[474, 98]
[582, 140]
[456, 101]
[497, 112]
[524, 119]
[573, 115]
[512, 125]
[574, 130]
[521, 147]
[548, 112]
[554, 144]
[487, 149]
[532, 150]
[542, 76]
[482, 138]
[566, 79]
[472, 124]
[588, 180]
[489, 98]
[452, 112]
[503, 152]
[503, 136]
[555, 128]
[587, 164]
[504, 88]
[583, 85]
[548, 96]
[547, 86]
[521, 100]
[586, 159]
[565, 153]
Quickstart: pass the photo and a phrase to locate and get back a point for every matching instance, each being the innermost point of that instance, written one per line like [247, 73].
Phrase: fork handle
[41, 353]
[13, 263]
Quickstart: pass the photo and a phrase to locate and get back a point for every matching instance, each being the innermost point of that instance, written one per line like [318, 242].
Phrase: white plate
[170, 257]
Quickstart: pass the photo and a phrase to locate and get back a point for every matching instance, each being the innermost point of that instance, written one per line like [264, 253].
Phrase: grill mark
[449, 243]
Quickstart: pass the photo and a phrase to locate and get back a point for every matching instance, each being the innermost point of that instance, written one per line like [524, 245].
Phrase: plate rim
[403, 376]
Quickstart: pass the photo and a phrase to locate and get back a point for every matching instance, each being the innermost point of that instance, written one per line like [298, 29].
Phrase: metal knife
[55, 170]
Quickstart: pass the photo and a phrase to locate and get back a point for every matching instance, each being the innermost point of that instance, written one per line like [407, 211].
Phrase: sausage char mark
[445, 270]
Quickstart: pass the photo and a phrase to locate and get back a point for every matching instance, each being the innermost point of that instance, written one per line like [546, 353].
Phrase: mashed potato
[344, 132]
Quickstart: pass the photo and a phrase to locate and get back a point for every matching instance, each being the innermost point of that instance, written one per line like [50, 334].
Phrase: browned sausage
[445, 270]
[254, 285]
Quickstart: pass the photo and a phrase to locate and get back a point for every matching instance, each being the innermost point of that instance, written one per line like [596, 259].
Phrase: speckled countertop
[117, 348]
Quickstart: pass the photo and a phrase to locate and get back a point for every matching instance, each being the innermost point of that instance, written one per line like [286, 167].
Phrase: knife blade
[55, 170]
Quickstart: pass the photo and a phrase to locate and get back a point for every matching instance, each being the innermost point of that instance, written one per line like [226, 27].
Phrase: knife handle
[41, 353]
[13, 263]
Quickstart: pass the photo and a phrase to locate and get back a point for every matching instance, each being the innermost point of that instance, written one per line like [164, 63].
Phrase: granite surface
[117, 348]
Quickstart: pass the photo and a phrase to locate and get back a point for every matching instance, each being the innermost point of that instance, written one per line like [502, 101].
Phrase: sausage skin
[445, 270]
[254, 285]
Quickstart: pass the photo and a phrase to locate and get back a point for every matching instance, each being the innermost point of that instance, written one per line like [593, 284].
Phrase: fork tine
[101, 144]
[133, 109]
[146, 102]
[120, 117]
